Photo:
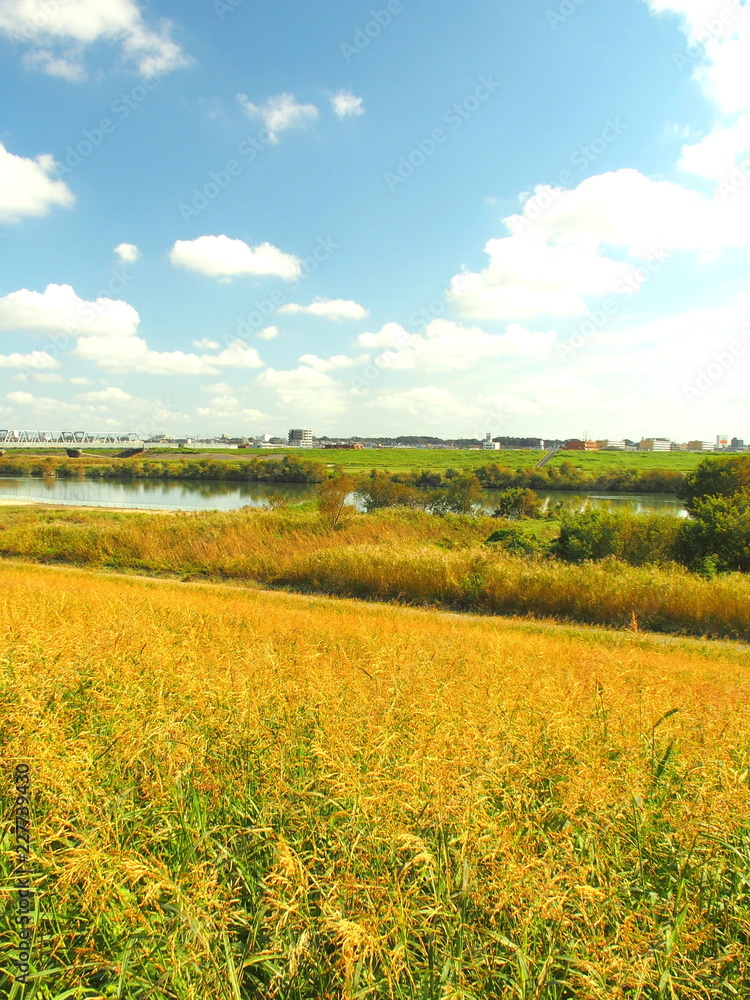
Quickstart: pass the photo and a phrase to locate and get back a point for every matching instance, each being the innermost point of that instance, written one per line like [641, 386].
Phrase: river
[156, 494]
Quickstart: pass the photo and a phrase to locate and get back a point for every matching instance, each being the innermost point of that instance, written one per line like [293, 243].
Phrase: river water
[155, 494]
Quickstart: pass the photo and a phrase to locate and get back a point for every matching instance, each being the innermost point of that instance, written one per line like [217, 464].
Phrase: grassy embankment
[240, 796]
[410, 557]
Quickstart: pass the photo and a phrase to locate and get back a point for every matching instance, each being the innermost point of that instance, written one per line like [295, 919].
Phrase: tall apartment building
[300, 437]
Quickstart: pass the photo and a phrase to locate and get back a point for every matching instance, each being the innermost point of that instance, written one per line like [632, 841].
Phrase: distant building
[349, 446]
[700, 446]
[738, 444]
[612, 445]
[575, 445]
[300, 437]
[656, 444]
[722, 441]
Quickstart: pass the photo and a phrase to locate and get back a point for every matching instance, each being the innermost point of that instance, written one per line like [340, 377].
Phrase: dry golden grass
[249, 795]
[390, 555]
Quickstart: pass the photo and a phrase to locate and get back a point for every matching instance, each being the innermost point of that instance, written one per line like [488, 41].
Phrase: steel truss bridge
[67, 439]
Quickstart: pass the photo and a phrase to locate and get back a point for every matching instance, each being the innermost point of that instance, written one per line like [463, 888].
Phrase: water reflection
[226, 495]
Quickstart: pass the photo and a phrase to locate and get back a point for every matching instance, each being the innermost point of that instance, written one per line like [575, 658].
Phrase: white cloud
[527, 278]
[128, 253]
[220, 256]
[337, 361]
[58, 309]
[206, 345]
[555, 258]
[346, 105]
[132, 354]
[80, 380]
[37, 360]
[303, 388]
[429, 403]
[280, 113]
[57, 32]
[270, 333]
[21, 398]
[720, 32]
[716, 154]
[112, 394]
[334, 309]
[623, 208]
[448, 346]
[237, 355]
[27, 187]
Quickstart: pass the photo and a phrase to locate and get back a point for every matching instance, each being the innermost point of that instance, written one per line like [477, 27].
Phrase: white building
[300, 437]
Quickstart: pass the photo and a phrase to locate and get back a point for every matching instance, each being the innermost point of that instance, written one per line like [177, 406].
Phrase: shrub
[716, 477]
[597, 532]
[518, 503]
[718, 535]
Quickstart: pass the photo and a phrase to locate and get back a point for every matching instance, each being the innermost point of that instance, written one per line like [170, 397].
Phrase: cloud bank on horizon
[501, 285]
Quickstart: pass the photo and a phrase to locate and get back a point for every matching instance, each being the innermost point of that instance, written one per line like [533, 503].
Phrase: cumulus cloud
[56, 35]
[204, 344]
[280, 113]
[564, 242]
[237, 355]
[448, 346]
[112, 394]
[59, 310]
[28, 188]
[269, 333]
[127, 253]
[36, 359]
[527, 278]
[303, 388]
[222, 257]
[330, 364]
[334, 309]
[346, 105]
[715, 154]
[719, 38]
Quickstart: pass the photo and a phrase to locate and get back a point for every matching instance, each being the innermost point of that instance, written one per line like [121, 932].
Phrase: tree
[378, 490]
[460, 496]
[718, 533]
[715, 477]
[332, 495]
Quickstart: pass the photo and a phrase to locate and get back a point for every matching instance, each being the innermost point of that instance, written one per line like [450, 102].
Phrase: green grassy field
[438, 460]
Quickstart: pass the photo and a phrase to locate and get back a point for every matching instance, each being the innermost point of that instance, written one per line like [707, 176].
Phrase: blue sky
[241, 216]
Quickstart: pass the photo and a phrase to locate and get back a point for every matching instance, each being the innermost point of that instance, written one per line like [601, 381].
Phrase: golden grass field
[240, 794]
[410, 557]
